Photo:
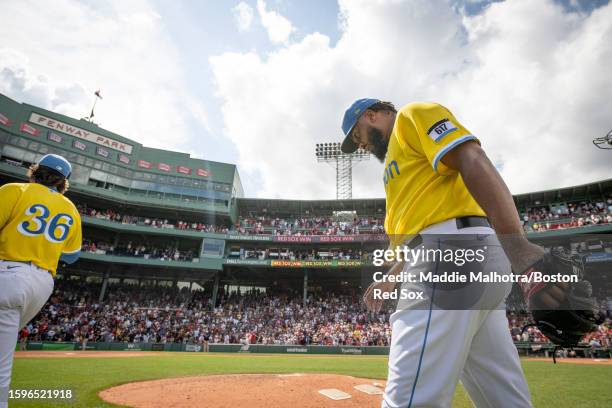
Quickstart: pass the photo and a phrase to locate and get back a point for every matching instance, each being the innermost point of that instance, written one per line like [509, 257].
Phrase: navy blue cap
[57, 163]
[351, 116]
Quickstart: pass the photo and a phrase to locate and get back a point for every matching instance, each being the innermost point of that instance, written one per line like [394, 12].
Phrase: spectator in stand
[110, 215]
[23, 338]
[167, 254]
[577, 215]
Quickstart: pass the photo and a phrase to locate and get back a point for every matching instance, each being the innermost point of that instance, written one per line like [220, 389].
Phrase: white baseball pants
[432, 349]
[24, 289]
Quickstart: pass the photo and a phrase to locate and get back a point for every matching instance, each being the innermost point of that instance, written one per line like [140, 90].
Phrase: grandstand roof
[573, 193]
[370, 206]
[373, 206]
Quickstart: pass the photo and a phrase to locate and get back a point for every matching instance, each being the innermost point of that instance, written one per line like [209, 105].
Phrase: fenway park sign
[80, 133]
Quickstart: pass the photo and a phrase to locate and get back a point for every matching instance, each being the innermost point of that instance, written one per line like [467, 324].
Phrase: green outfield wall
[524, 348]
[213, 348]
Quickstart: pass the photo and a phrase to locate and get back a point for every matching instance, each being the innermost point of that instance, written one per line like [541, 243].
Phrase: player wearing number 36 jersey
[38, 227]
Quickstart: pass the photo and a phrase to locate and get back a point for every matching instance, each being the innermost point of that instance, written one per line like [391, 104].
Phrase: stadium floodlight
[331, 153]
[604, 142]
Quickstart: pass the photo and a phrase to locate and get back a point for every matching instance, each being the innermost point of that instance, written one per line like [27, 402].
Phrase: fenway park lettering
[80, 133]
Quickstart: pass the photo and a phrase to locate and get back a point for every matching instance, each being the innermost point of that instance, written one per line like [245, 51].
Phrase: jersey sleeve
[72, 249]
[9, 195]
[437, 132]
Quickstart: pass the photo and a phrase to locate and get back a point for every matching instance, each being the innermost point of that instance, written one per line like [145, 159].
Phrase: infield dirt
[252, 390]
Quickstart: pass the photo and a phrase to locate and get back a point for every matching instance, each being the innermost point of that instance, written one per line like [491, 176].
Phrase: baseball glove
[578, 313]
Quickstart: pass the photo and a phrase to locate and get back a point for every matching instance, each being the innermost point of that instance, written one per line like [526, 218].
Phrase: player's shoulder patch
[440, 129]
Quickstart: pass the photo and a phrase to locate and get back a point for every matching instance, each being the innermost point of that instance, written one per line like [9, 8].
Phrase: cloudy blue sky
[259, 82]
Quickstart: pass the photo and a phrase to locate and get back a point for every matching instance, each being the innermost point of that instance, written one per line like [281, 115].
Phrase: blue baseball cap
[57, 163]
[351, 116]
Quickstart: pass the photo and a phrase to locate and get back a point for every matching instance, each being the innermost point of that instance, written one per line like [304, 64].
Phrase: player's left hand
[564, 312]
[551, 297]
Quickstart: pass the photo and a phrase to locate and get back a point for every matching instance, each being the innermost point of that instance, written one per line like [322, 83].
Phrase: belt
[20, 263]
[472, 221]
[462, 222]
[6, 261]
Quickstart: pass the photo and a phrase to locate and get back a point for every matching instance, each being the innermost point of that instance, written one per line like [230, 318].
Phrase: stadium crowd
[167, 314]
[300, 255]
[571, 215]
[137, 250]
[113, 216]
[261, 225]
[540, 218]
[309, 226]
[132, 313]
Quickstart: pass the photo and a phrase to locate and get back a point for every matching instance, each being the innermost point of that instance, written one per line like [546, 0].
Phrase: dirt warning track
[81, 354]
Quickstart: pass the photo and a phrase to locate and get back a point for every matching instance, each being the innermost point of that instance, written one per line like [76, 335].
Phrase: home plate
[368, 389]
[334, 394]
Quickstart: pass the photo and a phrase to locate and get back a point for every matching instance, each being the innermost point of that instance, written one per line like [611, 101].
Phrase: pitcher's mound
[243, 390]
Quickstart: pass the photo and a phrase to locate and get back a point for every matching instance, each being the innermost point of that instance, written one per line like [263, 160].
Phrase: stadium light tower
[331, 153]
[604, 142]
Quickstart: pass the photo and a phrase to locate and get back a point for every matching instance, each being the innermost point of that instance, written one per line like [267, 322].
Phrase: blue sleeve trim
[449, 147]
[70, 258]
[444, 134]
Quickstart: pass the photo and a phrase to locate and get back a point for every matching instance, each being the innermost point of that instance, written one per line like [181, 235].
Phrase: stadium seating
[168, 314]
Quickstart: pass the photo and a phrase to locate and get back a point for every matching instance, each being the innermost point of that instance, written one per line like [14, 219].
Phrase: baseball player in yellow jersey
[439, 182]
[38, 227]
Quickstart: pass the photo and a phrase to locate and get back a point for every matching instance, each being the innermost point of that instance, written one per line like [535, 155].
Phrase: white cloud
[122, 48]
[529, 79]
[243, 16]
[278, 27]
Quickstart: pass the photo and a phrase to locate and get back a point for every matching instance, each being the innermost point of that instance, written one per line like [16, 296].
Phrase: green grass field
[561, 385]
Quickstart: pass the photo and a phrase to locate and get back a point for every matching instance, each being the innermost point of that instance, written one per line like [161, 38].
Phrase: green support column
[215, 290]
[104, 285]
[305, 286]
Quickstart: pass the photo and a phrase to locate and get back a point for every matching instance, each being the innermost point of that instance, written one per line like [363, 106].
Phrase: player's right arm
[489, 190]
[9, 195]
[450, 149]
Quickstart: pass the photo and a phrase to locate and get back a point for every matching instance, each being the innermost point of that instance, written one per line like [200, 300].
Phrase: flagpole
[96, 97]
[93, 107]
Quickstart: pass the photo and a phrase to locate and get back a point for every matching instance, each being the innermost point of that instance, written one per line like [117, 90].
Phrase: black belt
[472, 221]
[462, 222]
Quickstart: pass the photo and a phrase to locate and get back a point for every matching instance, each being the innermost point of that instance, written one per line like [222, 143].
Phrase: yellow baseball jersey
[420, 189]
[38, 225]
